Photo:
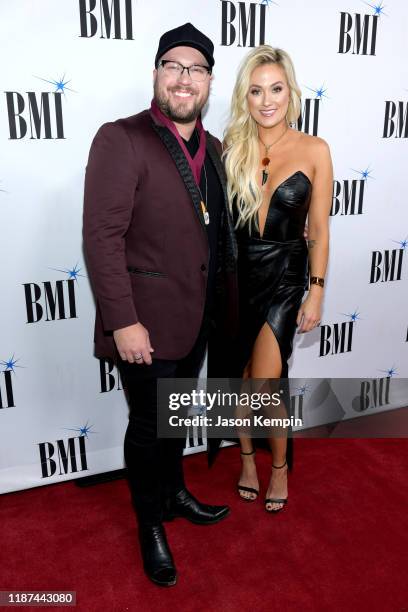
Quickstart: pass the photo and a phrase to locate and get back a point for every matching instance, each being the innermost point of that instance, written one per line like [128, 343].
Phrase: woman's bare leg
[248, 477]
[266, 363]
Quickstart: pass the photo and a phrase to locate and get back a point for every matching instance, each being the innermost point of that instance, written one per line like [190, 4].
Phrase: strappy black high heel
[275, 500]
[248, 489]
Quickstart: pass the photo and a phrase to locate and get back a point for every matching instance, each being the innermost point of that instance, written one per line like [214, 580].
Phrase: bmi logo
[111, 19]
[308, 121]
[337, 338]
[65, 455]
[387, 265]
[395, 119]
[243, 23]
[37, 114]
[348, 194]
[358, 32]
[296, 401]
[52, 300]
[109, 376]
[195, 436]
[375, 393]
[6, 382]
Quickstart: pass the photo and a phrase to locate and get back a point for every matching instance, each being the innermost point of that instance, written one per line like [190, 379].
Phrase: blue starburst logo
[10, 364]
[61, 86]
[354, 316]
[82, 431]
[390, 372]
[365, 174]
[268, 2]
[377, 8]
[72, 273]
[320, 92]
[403, 243]
[303, 389]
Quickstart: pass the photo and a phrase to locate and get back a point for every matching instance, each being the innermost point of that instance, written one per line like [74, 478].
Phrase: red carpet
[340, 544]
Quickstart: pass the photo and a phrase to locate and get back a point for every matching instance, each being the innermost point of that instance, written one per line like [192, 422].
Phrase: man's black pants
[154, 464]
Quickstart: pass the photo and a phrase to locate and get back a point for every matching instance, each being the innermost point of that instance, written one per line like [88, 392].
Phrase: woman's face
[268, 95]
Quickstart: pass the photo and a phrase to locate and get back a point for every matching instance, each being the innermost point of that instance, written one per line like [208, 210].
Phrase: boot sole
[212, 522]
[163, 584]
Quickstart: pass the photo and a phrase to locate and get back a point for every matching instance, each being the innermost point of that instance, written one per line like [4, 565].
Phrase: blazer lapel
[183, 167]
[230, 250]
[219, 167]
[216, 160]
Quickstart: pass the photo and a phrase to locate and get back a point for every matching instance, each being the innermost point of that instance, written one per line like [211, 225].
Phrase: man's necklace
[266, 161]
[203, 202]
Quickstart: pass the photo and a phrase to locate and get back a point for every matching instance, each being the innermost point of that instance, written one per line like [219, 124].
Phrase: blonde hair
[241, 152]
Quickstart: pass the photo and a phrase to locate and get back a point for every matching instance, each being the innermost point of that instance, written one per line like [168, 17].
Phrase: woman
[277, 177]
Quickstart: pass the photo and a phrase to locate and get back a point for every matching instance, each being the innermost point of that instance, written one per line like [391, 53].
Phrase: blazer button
[203, 267]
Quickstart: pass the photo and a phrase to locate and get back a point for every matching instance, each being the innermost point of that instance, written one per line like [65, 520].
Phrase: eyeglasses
[196, 72]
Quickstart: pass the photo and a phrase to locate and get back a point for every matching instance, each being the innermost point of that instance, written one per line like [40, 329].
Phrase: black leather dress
[273, 270]
[272, 278]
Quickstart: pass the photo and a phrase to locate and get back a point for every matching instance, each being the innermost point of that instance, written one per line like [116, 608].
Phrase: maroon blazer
[144, 235]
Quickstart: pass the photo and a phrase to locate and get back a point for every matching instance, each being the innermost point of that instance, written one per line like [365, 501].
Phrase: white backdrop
[53, 405]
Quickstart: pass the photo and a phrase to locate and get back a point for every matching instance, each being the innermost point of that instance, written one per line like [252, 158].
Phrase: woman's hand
[309, 314]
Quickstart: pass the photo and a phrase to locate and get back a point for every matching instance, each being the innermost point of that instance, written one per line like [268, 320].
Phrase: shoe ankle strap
[278, 467]
[251, 453]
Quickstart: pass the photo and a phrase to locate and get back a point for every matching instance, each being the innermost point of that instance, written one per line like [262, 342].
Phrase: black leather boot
[185, 505]
[157, 558]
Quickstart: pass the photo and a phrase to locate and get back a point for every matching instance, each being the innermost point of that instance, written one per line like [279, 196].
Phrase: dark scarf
[196, 162]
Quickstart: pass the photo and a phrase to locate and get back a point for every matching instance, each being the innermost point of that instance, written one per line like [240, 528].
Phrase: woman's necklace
[266, 160]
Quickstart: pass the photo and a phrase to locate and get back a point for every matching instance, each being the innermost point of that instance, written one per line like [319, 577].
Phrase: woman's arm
[318, 227]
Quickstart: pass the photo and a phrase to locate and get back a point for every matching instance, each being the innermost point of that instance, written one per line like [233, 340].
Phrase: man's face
[177, 95]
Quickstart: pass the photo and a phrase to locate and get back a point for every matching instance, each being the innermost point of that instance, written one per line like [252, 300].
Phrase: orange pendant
[265, 161]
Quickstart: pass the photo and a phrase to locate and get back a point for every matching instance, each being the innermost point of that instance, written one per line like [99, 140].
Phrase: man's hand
[133, 344]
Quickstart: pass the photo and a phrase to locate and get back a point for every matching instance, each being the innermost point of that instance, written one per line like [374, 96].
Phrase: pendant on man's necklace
[205, 213]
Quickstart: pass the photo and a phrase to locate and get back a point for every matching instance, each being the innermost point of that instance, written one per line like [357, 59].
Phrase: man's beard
[177, 113]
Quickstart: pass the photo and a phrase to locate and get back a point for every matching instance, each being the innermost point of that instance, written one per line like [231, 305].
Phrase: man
[158, 237]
